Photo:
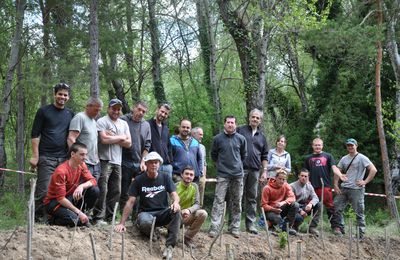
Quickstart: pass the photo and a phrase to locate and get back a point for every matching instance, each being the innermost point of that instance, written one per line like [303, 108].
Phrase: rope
[17, 171]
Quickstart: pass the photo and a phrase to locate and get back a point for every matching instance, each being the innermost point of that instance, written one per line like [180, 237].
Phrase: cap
[153, 156]
[351, 141]
[114, 101]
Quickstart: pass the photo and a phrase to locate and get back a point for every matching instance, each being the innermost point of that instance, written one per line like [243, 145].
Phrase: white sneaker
[101, 223]
[168, 252]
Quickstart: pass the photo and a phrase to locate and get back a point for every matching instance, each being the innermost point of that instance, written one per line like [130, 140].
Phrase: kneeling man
[152, 189]
[71, 184]
[193, 217]
[278, 201]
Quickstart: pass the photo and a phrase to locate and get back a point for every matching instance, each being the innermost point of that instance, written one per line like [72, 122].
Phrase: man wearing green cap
[354, 166]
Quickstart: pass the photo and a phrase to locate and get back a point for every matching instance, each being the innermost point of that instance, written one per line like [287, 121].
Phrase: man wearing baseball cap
[353, 165]
[151, 189]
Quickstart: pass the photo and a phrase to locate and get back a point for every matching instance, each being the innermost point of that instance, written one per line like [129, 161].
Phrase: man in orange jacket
[279, 201]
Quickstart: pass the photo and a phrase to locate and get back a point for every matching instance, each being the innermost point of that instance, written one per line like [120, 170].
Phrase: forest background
[309, 65]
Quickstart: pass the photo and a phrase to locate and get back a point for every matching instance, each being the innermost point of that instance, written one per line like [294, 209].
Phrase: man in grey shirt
[354, 165]
[83, 129]
[308, 201]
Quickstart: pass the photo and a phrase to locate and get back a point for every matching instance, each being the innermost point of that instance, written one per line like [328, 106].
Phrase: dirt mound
[52, 242]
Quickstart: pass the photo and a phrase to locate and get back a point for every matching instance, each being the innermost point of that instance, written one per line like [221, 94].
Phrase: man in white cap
[152, 189]
[354, 166]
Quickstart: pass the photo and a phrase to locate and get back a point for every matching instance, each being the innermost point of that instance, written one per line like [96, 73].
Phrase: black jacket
[160, 144]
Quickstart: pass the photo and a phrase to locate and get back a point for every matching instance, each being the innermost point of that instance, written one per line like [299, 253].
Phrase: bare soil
[53, 242]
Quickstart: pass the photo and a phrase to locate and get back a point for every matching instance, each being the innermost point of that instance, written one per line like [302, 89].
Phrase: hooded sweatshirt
[273, 194]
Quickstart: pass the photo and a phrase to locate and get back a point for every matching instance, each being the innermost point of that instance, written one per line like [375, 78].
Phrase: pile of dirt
[53, 242]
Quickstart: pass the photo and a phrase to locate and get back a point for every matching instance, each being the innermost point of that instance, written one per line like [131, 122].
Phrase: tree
[6, 95]
[94, 50]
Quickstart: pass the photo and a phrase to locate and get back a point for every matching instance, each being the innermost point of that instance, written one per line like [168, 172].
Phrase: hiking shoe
[189, 242]
[292, 232]
[167, 254]
[252, 230]
[212, 233]
[235, 233]
[156, 234]
[313, 231]
[337, 232]
[100, 223]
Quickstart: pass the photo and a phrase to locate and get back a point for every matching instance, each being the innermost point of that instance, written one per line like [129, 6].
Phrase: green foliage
[380, 217]
[282, 239]
[350, 214]
[13, 210]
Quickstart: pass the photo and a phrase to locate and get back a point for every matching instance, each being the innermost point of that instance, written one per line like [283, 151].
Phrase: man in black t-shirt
[49, 142]
[320, 165]
[152, 188]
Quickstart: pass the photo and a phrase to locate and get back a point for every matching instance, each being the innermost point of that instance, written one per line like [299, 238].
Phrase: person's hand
[175, 207]
[343, 177]
[143, 167]
[83, 218]
[77, 195]
[361, 183]
[308, 207]
[303, 213]
[120, 228]
[280, 204]
[33, 162]
[337, 190]
[276, 210]
[263, 178]
[185, 213]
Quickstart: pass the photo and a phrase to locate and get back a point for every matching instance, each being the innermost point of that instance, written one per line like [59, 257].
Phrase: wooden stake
[112, 227]
[350, 236]
[183, 240]
[229, 252]
[223, 216]
[266, 228]
[287, 236]
[358, 241]
[122, 245]
[298, 254]
[31, 219]
[322, 213]
[152, 234]
[93, 246]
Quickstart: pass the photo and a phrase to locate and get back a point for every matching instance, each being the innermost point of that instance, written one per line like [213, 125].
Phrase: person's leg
[126, 179]
[98, 211]
[357, 203]
[165, 169]
[316, 213]
[340, 203]
[235, 198]
[173, 222]
[45, 168]
[91, 196]
[114, 190]
[275, 218]
[194, 222]
[144, 222]
[202, 187]
[250, 186]
[95, 170]
[218, 204]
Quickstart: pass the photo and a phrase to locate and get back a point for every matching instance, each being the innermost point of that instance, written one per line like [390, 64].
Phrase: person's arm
[35, 153]
[264, 171]
[72, 136]
[127, 211]
[107, 138]
[265, 202]
[288, 165]
[214, 150]
[127, 140]
[78, 193]
[337, 172]
[67, 204]
[243, 150]
[196, 204]
[175, 207]
[371, 174]
[143, 166]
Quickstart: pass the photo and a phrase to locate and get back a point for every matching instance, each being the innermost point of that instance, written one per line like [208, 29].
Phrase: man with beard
[49, 142]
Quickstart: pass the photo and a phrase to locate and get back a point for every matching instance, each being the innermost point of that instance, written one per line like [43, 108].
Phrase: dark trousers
[65, 217]
[128, 173]
[163, 218]
[288, 211]
[316, 215]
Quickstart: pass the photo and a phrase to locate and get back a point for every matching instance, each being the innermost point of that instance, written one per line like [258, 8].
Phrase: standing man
[160, 137]
[198, 134]
[192, 216]
[185, 151]
[49, 142]
[308, 202]
[320, 164]
[354, 165]
[114, 134]
[153, 188]
[278, 202]
[71, 185]
[83, 129]
[132, 157]
[228, 151]
[255, 166]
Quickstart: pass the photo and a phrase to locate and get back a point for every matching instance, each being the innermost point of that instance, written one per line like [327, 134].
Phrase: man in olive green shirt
[192, 216]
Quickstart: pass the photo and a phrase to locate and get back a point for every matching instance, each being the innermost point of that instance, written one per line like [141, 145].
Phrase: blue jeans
[165, 169]
[95, 170]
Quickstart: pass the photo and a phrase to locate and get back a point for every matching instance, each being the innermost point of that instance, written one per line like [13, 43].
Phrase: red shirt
[273, 194]
[64, 181]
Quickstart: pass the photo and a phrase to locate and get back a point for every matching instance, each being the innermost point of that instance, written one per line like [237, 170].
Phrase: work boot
[252, 230]
[212, 233]
[235, 233]
[314, 231]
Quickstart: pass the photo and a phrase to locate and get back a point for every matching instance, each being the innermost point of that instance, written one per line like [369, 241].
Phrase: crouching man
[192, 216]
[152, 189]
[278, 201]
[308, 201]
[71, 185]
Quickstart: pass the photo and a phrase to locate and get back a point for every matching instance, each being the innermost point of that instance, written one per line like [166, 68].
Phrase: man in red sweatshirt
[279, 201]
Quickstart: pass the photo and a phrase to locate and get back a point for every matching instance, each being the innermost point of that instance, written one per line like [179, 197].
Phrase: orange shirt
[272, 194]
[64, 181]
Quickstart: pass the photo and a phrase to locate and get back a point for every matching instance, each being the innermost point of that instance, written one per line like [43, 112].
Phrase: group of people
[86, 164]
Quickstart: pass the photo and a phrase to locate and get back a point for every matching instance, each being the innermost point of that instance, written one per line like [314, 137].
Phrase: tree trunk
[208, 51]
[94, 50]
[381, 132]
[6, 95]
[159, 92]
[46, 71]
[20, 140]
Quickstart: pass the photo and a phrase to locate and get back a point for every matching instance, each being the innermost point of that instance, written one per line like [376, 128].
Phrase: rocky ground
[53, 242]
